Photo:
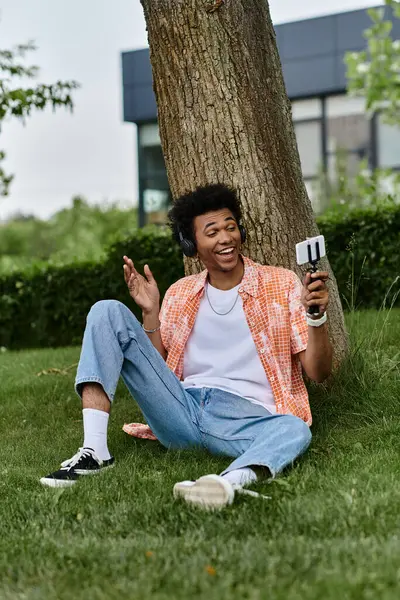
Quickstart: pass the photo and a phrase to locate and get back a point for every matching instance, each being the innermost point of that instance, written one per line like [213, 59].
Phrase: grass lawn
[331, 529]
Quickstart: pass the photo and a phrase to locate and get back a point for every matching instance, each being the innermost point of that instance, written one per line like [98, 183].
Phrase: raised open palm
[143, 290]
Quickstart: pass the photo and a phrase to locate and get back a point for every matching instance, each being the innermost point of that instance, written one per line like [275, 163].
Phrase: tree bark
[224, 116]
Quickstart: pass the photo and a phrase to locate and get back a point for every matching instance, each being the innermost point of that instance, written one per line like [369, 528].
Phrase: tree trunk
[225, 117]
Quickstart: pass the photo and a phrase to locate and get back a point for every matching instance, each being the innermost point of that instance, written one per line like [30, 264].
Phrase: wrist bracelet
[151, 330]
[317, 322]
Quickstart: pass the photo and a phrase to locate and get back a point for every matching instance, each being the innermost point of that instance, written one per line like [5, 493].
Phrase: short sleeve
[166, 320]
[298, 321]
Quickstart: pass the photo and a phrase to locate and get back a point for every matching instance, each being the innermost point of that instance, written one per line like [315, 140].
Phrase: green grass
[331, 529]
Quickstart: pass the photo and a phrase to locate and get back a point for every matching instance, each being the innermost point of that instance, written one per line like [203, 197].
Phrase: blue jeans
[114, 345]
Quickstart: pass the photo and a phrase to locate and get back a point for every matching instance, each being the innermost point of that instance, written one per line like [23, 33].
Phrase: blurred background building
[331, 127]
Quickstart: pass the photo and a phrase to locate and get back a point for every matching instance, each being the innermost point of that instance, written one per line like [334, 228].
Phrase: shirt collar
[248, 285]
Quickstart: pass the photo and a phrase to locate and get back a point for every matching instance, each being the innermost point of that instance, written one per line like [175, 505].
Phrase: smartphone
[311, 250]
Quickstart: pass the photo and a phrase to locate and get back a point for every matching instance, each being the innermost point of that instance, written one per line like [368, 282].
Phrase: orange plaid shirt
[276, 319]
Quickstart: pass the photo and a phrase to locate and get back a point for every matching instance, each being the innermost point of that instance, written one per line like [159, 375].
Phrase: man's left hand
[315, 292]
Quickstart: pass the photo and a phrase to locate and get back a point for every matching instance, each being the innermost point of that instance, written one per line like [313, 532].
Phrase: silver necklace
[219, 313]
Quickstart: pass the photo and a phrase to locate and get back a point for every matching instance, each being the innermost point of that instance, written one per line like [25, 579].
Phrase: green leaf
[376, 14]
[20, 101]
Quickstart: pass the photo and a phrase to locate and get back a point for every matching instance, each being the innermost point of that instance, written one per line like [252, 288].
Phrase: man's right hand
[143, 290]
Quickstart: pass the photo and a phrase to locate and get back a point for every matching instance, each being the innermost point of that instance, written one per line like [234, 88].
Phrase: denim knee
[299, 430]
[106, 308]
[112, 315]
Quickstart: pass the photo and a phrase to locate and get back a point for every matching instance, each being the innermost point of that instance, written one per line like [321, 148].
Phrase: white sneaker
[210, 491]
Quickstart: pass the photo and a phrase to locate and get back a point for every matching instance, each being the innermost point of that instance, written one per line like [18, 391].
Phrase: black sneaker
[85, 462]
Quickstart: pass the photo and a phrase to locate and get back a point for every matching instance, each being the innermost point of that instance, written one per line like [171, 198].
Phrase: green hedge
[47, 306]
[364, 251]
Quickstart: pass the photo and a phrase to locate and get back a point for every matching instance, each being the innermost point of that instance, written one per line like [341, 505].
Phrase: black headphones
[189, 248]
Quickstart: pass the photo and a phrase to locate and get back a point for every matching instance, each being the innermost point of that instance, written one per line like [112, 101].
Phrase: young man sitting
[219, 367]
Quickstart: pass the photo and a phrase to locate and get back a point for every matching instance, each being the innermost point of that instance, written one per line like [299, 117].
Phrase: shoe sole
[209, 492]
[57, 483]
[64, 483]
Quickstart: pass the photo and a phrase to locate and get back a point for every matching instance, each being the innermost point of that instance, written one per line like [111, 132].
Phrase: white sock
[95, 424]
[241, 477]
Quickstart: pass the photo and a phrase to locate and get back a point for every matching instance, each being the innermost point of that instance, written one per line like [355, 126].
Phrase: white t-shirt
[220, 352]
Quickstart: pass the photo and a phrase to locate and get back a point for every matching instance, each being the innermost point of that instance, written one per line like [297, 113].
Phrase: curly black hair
[202, 200]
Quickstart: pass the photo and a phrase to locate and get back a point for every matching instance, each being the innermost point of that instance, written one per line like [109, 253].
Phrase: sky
[91, 152]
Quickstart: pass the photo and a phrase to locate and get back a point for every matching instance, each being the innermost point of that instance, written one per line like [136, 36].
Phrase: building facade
[332, 130]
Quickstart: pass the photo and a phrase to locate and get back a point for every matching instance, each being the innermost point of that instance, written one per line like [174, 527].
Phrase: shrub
[80, 233]
[47, 305]
[363, 246]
